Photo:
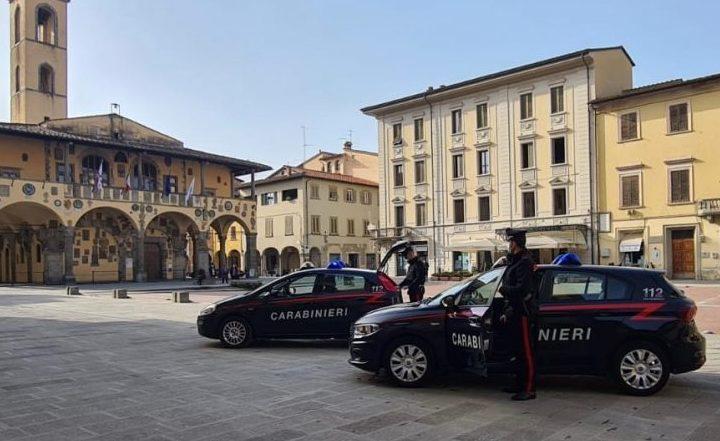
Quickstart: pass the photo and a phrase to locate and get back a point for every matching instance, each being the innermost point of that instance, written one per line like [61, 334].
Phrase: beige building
[460, 163]
[103, 197]
[659, 184]
[307, 214]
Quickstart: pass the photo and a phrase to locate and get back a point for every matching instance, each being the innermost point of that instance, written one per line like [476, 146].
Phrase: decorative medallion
[198, 212]
[135, 207]
[68, 204]
[77, 203]
[57, 202]
[228, 205]
[149, 208]
[28, 189]
[243, 214]
[211, 213]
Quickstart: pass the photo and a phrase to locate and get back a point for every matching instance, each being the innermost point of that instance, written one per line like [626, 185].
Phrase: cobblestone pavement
[89, 367]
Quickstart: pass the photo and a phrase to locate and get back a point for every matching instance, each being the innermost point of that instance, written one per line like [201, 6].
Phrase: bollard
[120, 294]
[73, 291]
[181, 297]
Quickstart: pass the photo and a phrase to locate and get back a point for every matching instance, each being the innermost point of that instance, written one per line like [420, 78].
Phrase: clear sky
[240, 78]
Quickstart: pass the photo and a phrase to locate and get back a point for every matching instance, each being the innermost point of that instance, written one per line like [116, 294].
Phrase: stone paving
[93, 368]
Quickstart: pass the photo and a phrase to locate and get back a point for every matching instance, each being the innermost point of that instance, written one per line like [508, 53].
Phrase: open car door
[468, 337]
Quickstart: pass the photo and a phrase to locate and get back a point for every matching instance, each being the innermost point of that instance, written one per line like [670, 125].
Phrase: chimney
[347, 146]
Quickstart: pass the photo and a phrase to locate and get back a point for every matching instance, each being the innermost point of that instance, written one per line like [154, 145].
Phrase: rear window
[338, 283]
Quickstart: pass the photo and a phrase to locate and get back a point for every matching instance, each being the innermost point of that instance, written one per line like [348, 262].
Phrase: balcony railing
[709, 207]
[47, 191]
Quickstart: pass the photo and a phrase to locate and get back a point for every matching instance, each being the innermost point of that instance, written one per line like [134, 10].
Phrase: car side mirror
[448, 302]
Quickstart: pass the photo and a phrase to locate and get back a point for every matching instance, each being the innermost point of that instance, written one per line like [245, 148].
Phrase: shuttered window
[268, 227]
[678, 114]
[629, 126]
[484, 208]
[528, 200]
[630, 189]
[680, 186]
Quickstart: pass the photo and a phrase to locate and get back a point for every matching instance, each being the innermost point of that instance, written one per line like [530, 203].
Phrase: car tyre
[409, 362]
[641, 368]
[235, 332]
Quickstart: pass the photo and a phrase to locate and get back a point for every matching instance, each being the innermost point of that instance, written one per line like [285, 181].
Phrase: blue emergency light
[336, 264]
[570, 259]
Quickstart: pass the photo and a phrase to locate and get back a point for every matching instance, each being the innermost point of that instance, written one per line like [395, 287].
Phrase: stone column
[53, 241]
[223, 254]
[202, 259]
[69, 246]
[251, 263]
[139, 258]
[179, 257]
[26, 237]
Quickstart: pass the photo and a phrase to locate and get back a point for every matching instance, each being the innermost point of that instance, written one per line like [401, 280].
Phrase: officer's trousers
[416, 294]
[524, 343]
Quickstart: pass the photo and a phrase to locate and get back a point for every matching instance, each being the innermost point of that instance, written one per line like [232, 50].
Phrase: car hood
[236, 299]
[399, 311]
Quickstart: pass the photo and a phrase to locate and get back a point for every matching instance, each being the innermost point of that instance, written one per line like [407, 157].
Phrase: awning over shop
[556, 240]
[631, 244]
[469, 243]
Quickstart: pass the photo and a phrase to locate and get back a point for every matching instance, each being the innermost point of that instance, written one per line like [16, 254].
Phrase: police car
[312, 303]
[631, 324]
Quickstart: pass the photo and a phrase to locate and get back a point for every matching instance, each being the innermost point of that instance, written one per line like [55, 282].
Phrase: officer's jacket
[517, 284]
[416, 275]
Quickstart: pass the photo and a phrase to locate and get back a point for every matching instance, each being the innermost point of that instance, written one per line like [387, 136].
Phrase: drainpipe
[306, 245]
[591, 144]
[432, 181]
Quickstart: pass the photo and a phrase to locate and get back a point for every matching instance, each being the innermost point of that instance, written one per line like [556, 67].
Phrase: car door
[346, 293]
[468, 340]
[283, 308]
[566, 318]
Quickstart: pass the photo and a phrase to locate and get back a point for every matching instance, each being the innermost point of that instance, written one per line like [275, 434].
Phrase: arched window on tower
[149, 173]
[17, 78]
[17, 24]
[46, 83]
[45, 25]
[90, 168]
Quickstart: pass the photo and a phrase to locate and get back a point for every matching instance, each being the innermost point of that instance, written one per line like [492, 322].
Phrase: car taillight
[387, 283]
[687, 315]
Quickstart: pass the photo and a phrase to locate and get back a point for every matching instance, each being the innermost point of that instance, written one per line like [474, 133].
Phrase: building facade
[306, 214]
[659, 185]
[460, 163]
[101, 198]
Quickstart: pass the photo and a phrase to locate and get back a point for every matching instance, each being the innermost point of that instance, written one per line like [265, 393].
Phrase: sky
[240, 78]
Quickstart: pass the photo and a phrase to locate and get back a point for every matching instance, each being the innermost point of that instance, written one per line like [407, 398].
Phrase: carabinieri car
[314, 303]
[628, 323]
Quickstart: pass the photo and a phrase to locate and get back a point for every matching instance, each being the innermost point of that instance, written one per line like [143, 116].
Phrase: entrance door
[152, 261]
[683, 253]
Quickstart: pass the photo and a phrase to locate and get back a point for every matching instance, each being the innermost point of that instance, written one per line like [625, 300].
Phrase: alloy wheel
[641, 369]
[234, 332]
[408, 363]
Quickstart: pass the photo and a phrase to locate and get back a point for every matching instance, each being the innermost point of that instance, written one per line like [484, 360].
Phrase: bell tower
[38, 60]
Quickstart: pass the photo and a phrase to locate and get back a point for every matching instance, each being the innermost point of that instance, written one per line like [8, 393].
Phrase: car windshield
[480, 292]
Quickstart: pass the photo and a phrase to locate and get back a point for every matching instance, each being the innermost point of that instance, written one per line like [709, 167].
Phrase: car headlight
[208, 310]
[360, 331]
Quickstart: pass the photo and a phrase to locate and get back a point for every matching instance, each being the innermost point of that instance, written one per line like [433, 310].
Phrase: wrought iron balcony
[708, 207]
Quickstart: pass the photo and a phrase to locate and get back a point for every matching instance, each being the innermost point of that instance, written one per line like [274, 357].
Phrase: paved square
[94, 368]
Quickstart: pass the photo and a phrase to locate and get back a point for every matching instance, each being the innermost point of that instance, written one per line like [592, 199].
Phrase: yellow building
[307, 214]
[460, 163]
[101, 198]
[659, 184]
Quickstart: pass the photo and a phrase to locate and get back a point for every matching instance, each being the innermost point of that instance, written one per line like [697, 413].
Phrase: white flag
[127, 187]
[98, 179]
[190, 191]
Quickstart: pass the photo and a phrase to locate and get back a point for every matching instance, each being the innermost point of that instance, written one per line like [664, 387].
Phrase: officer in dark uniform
[416, 275]
[519, 313]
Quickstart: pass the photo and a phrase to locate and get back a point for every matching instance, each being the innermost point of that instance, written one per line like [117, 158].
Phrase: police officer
[519, 313]
[416, 275]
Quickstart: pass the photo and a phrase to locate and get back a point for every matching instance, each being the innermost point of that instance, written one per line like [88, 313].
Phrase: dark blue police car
[631, 324]
[312, 303]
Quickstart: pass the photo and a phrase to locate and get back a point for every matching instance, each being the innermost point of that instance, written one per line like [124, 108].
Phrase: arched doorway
[32, 242]
[270, 262]
[174, 247]
[289, 260]
[315, 257]
[104, 242]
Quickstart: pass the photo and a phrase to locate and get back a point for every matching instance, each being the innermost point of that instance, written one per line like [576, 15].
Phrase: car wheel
[641, 368]
[408, 362]
[235, 333]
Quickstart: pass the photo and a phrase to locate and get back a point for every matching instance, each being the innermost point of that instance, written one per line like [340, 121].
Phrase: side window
[480, 292]
[339, 283]
[300, 286]
[572, 286]
[617, 289]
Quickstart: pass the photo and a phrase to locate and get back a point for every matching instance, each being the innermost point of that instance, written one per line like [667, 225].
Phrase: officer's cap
[519, 236]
